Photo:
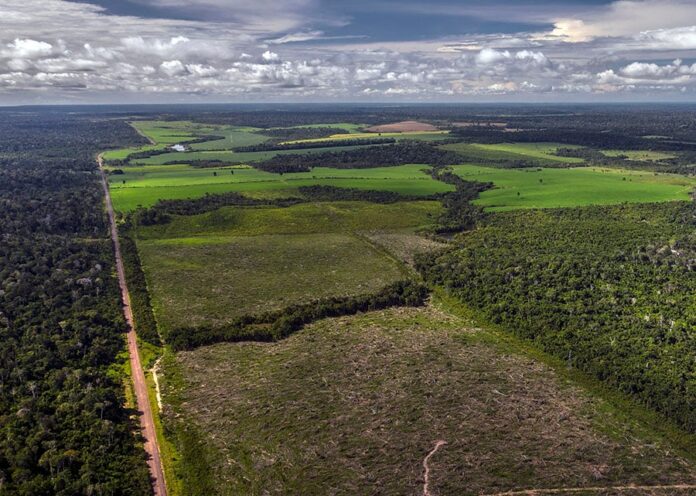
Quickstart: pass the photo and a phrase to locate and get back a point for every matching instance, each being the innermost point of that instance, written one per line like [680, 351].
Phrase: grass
[146, 185]
[540, 153]
[233, 137]
[353, 405]
[213, 281]
[640, 155]
[546, 188]
[213, 267]
[305, 218]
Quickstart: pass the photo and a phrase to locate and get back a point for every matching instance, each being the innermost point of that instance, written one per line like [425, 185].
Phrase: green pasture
[581, 186]
[542, 153]
[233, 137]
[146, 185]
[304, 218]
[210, 268]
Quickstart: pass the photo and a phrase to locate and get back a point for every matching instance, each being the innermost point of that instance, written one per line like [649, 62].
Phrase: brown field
[402, 127]
[354, 406]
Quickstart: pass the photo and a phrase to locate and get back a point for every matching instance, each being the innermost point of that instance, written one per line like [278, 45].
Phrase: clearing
[354, 405]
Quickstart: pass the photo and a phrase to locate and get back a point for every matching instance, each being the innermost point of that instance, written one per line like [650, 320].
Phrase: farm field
[213, 267]
[146, 185]
[582, 186]
[353, 405]
[539, 153]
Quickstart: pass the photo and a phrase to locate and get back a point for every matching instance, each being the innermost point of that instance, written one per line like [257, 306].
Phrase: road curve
[147, 423]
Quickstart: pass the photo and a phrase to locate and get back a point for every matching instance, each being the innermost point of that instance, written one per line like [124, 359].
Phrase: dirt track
[147, 422]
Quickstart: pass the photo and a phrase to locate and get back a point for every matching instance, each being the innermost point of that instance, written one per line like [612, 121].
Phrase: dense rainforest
[64, 428]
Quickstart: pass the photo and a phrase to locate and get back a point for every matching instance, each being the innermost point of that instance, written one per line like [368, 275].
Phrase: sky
[197, 51]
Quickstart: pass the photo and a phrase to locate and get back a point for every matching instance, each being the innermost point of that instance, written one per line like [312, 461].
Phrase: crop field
[640, 155]
[412, 135]
[210, 268]
[582, 186]
[146, 185]
[354, 405]
[541, 153]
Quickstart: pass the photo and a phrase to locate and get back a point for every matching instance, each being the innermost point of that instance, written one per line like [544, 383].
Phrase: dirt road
[147, 422]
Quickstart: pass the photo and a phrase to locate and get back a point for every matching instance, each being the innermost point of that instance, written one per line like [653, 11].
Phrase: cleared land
[353, 406]
[146, 185]
[402, 127]
[210, 268]
[539, 153]
[582, 186]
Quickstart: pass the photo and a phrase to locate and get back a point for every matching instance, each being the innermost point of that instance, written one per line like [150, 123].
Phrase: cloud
[625, 18]
[269, 56]
[173, 68]
[296, 37]
[57, 48]
[27, 49]
[683, 38]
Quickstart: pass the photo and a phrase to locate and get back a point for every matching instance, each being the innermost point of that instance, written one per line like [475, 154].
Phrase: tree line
[275, 325]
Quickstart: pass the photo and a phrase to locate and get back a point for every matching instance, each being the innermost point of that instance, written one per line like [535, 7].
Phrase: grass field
[353, 405]
[545, 188]
[640, 155]
[215, 280]
[146, 185]
[541, 153]
[210, 268]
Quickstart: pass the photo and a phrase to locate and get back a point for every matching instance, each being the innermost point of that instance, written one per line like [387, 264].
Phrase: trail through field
[426, 467]
[599, 490]
[147, 422]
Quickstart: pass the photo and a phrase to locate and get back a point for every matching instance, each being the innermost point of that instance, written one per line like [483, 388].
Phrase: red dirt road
[147, 422]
